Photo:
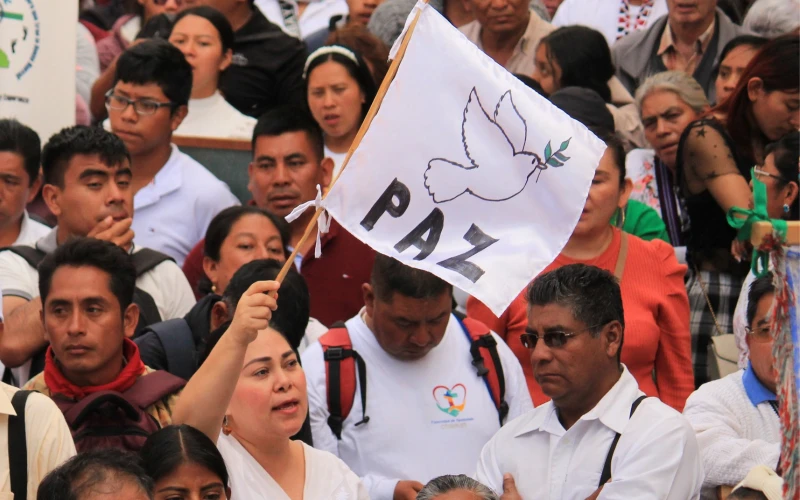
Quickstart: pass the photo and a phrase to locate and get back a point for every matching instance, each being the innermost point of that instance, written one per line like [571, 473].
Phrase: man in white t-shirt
[20, 154]
[426, 412]
[599, 437]
[87, 186]
[175, 197]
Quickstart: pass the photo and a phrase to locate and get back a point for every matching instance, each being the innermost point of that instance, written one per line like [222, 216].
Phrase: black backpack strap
[18, 446]
[146, 259]
[32, 255]
[606, 474]
[179, 349]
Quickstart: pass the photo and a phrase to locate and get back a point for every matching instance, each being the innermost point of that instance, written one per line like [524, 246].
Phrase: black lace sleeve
[705, 153]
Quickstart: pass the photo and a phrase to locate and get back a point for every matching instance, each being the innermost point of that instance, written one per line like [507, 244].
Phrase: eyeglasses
[143, 107]
[761, 334]
[554, 338]
[761, 175]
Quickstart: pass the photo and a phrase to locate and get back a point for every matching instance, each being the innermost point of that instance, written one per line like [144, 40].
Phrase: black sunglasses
[553, 338]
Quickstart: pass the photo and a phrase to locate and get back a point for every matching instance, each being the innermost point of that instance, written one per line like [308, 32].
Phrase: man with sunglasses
[175, 197]
[599, 436]
[736, 418]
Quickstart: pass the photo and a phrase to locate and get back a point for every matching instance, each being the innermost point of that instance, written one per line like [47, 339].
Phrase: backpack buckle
[478, 364]
[334, 354]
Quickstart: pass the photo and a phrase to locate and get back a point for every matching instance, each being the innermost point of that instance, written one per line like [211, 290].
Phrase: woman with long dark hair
[714, 158]
[577, 56]
[340, 90]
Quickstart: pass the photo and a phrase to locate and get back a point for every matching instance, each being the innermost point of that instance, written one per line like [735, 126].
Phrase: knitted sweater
[733, 434]
[657, 337]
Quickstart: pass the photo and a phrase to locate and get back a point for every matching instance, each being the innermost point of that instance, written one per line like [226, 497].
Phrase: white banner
[37, 63]
[465, 172]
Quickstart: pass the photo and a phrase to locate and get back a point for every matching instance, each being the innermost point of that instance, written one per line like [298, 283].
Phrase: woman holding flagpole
[258, 389]
[340, 89]
[657, 339]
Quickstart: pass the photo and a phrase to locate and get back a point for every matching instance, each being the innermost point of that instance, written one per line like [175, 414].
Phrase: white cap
[762, 478]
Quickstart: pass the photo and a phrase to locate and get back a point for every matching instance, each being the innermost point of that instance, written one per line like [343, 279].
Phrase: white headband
[330, 49]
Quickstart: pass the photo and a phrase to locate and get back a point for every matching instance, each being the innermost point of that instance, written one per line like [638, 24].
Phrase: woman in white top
[340, 89]
[250, 397]
[206, 37]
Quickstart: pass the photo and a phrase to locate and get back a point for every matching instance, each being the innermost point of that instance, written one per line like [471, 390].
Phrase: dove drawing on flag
[481, 135]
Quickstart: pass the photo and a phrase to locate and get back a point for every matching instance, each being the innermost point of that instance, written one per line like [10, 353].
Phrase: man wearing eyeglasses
[175, 197]
[736, 418]
[599, 436]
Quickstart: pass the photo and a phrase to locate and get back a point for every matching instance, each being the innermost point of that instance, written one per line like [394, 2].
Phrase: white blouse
[327, 477]
[213, 117]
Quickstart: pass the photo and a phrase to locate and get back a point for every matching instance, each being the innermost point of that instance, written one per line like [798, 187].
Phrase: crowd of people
[149, 351]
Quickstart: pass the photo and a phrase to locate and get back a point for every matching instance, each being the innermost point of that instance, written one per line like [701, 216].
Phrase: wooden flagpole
[373, 110]
[763, 228]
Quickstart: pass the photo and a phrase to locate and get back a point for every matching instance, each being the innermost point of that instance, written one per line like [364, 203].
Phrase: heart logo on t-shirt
[450, 400]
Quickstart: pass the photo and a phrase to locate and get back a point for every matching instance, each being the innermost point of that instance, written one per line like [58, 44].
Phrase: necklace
[625, 24]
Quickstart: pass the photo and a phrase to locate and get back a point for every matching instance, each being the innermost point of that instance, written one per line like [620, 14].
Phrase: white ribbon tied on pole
[323, 222]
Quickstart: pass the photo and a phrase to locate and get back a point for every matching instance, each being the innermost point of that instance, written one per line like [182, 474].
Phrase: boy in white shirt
[599, 437]
[175, 197]
[426, 412]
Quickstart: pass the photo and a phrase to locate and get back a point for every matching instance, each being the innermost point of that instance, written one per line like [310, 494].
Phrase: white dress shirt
[316, 16]
[172, 213]
[413, 433]
[736, 426]
[213, 117]
[603, 15]
[657, 456]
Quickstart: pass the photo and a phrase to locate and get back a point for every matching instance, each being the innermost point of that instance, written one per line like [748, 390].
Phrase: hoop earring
[226, 429]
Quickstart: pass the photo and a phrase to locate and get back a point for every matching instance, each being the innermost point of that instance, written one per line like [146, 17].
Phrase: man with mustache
[736, 418]
[288, 164]
[87, 186]
[689, 38]
[599, 436]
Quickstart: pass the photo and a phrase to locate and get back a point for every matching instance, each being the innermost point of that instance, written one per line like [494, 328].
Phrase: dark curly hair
[80, 140]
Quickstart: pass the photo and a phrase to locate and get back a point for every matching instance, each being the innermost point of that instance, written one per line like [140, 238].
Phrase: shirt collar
[667, 42]
[6, 408]
[166, 180]
[613, 410]
[755, 390]
[48, 242]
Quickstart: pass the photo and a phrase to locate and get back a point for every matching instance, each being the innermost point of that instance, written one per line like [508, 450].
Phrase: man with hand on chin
[87, 186]
[599, 436]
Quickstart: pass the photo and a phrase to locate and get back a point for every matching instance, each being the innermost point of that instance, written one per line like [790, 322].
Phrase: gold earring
[213, 288]
[226, 429]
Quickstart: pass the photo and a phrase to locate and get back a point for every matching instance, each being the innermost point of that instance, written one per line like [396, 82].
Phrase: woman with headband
[340, 90]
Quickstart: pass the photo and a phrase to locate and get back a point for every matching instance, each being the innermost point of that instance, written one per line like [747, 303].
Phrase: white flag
[465, 172]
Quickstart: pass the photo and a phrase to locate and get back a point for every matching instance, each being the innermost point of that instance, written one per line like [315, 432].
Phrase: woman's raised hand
[254, 311]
